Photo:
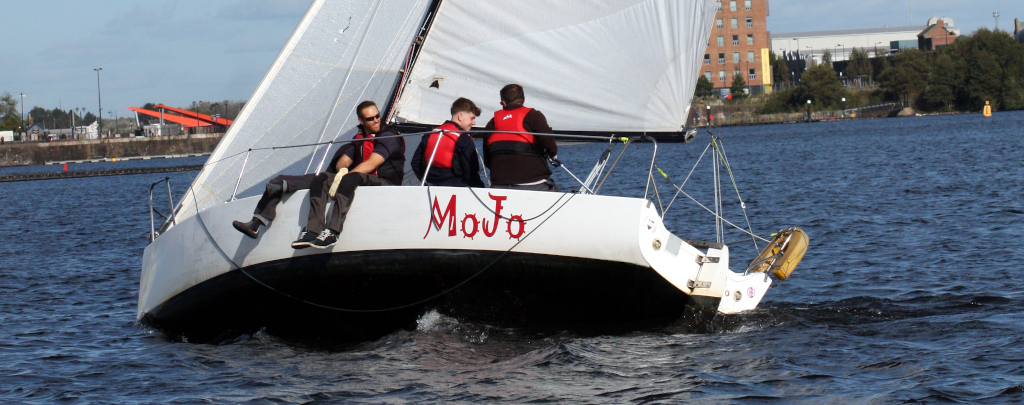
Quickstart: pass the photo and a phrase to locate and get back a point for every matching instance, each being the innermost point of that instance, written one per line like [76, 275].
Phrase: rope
[423, 301]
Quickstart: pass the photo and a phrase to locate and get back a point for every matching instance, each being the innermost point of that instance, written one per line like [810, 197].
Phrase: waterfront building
[940, 32]
[739, 44]
[36, 133]
[876, 41]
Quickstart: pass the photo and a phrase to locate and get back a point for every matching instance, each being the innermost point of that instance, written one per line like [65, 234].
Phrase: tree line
[987, 66]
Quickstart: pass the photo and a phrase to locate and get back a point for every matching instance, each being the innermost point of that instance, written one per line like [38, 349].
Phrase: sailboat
[509, 257]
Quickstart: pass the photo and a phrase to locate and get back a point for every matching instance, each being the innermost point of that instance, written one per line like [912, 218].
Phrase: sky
[179, 51]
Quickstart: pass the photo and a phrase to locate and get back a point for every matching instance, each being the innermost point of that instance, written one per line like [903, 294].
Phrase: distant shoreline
[106, 149]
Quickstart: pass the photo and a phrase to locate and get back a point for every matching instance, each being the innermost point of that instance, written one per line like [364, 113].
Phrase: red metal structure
[187, 118]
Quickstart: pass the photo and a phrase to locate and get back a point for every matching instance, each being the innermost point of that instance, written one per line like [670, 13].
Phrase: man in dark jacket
[451, 154]
[368, 161]
[519, 160]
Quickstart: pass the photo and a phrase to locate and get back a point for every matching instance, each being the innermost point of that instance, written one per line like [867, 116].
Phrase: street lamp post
[844, 106]
[23, 134]
[996, 16]
[99, 97]
[808, 110]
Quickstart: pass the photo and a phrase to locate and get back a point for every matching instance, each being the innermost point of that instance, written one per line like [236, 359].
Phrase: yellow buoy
[782, 255]
[987, 112]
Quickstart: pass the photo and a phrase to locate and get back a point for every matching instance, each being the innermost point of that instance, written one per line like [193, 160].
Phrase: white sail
[343, 52]
[606, 65]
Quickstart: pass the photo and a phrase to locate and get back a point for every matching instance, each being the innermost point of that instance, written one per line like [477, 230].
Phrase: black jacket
[507, 169]
[465, 169]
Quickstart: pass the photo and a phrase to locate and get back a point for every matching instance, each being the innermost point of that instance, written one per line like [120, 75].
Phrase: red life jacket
[510, 120]
[445, 148]
[365, 148]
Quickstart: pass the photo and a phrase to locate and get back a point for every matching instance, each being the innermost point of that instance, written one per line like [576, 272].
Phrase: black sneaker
[326, 239]
[305, 240]
[250, 229]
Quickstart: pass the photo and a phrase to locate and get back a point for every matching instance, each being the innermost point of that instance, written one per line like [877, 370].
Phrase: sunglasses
[373, 118]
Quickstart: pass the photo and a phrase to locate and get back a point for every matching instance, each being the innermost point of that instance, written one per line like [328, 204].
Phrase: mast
[414, 52]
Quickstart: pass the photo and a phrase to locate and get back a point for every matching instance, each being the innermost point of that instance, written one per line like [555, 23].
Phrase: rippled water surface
[911, 291]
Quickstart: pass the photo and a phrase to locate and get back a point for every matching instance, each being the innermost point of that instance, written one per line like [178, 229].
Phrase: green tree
[826, 59]
[943, 80]
[10, 118]
[737, 87]
[704, 87]
[780, 70]
[907, 77]
[860, 64]
[820, 84]
[993, 65]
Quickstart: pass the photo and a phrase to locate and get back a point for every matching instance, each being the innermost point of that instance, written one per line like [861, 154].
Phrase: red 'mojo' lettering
[449, 213]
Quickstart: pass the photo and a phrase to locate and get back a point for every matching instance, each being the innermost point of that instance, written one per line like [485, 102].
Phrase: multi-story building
[739, 45]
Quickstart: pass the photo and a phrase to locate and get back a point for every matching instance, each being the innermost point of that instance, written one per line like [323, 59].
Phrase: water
[911, 291]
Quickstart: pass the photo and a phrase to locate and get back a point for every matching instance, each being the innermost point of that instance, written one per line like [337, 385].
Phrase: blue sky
[179, 51]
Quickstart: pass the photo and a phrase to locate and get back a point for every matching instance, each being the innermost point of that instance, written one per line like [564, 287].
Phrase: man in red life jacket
[452, 157]
[516, 159]
[380, 162]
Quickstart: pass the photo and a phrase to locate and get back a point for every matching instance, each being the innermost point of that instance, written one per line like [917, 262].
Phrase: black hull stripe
[520, 290]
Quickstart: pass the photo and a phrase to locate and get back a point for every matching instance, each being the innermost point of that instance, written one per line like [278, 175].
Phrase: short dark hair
[362, 106]
[512, 93]
[465, 105]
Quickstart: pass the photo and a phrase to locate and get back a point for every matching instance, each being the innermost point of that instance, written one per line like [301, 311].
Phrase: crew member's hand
[554, 161]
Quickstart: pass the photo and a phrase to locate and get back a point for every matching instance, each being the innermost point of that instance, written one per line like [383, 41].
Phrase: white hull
[557, 229]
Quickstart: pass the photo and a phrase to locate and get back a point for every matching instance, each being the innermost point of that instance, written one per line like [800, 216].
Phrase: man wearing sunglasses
[450, 153]
[375, 157]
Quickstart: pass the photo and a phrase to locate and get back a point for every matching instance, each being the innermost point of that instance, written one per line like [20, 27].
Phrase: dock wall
[36, 153]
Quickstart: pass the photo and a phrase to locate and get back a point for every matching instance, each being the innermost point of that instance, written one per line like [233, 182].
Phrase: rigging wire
[720, 221]
[341, 91]
[687, 178]
[400, 307]
[373, 75]
[743, 205]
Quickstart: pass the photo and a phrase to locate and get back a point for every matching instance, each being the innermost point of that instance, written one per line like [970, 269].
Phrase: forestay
[609, 65]
[343, 52]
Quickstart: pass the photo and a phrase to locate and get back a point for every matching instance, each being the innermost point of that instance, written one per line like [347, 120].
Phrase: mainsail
[343, 52]
[607, 65]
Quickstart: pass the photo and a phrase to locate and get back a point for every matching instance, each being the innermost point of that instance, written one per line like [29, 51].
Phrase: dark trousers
[266, 209]
[342, 199]
[548, 185]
